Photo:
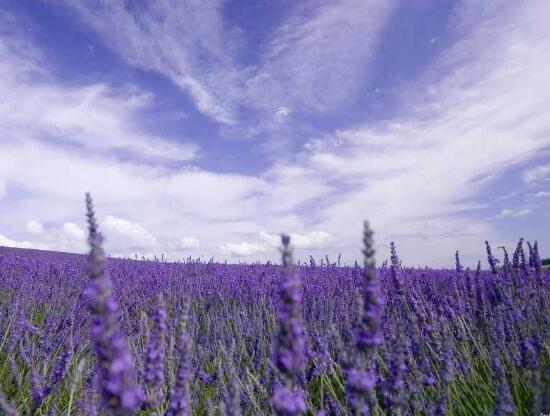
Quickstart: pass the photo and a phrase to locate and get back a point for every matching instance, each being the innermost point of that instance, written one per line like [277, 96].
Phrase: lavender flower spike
[504, 402]
[360, 381]
[119, 391]
[370, 337]
[288, 352]
[5, 407]
[154, 364]
[179, 397]
[491, 259]
[458, 264]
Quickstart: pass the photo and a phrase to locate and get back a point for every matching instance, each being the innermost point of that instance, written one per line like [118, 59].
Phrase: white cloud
[269, 242]
[536, 174]
[69, 237]
[133, 233]
[7, 242]
[542, 194]
[34, 227]
[187, 242]
[313, 239]
[506, 213]
[74, 232]
[243, 248]
[187, 202]
[281, 113]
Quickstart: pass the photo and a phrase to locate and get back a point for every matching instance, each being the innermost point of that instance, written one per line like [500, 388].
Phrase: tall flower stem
[361, 379]
[288, 352]
[117, 381]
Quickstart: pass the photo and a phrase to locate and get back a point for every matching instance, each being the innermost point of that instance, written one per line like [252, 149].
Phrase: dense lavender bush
[89, 335]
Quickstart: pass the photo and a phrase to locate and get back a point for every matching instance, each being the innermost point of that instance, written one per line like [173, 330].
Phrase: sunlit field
[88, 335]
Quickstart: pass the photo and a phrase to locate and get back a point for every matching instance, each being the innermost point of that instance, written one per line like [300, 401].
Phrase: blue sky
[208, 128]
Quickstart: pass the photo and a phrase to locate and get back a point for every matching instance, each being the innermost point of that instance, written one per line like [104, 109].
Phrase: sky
[207, 129]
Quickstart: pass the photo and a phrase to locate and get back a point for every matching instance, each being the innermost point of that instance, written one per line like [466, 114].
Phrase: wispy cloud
[312, 63]
[309, 63]
[184, 41]
[94, 117]
[536, 174]
[510, 213]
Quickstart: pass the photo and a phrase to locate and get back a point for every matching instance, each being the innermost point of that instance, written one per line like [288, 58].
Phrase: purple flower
[516, 256]
[322, 359]
[360, 379]
[491, 259]
[528, 353]
[504, 403]
[480, 298]
[289, 345]
[537, 265]
[360, 390]
[5, 407]
[369, 335]
[233, 396]
[288, 402]
[393, 386]
[506, 266]
[395, 275]
[179, 396]
[154, 364]
[119, 391]
[446, 371]
[531, 255]
[60, 368]
[38, 393]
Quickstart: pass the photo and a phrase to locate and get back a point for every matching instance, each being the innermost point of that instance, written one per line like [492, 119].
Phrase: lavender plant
[289, 344]
[361, 377]
[117, 380]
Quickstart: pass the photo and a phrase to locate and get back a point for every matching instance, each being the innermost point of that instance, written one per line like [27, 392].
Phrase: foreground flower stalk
[154, 364]
[288, 351]
[117, 381]
[361, 378]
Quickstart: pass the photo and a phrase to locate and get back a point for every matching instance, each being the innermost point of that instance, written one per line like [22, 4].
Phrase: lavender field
[88, 335]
